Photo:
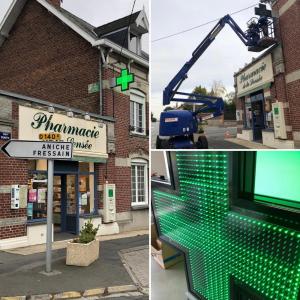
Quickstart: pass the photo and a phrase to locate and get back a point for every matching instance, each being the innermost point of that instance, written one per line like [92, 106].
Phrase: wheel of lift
[158, 143]
[202, 142]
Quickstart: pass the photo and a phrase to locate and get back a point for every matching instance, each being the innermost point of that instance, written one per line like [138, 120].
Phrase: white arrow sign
[38, 149]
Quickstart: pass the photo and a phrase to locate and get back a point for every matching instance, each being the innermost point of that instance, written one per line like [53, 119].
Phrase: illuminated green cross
[125, 79]
[220, 243]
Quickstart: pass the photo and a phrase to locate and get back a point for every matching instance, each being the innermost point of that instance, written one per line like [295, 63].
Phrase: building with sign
[64, 79]
[268, 88]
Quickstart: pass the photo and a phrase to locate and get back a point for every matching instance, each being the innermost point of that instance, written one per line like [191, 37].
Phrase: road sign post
[49, 216]
[42, 150]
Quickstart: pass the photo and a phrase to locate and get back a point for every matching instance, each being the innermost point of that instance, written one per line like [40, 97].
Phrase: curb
[122, 290]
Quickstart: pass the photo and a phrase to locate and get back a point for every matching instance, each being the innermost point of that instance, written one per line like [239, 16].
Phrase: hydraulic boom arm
[250, 38]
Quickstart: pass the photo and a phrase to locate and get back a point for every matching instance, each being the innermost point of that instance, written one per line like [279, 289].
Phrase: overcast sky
[97, 12]
[224, 57]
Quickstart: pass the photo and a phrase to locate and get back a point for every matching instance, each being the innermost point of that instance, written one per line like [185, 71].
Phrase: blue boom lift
[179, 128]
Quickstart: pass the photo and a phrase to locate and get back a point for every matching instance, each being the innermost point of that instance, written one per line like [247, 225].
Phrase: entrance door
[71, 203]
[65, 203]
[258, 118]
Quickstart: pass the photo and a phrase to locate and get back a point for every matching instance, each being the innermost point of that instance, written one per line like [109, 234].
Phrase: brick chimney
[55, 3]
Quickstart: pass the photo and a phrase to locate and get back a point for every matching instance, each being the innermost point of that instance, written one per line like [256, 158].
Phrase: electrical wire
[201, 25]
[123, 44]
[129, 23]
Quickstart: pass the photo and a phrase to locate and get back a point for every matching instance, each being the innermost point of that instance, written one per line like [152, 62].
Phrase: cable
[129, 23]
[201, 25]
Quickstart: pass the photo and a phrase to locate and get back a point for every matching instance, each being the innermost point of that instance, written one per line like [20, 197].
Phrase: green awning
[90, 159]
[261, 87]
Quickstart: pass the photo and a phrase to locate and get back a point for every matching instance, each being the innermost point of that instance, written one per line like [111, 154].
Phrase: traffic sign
[38, 150]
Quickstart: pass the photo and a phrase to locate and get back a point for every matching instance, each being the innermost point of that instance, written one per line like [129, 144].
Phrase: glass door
[71, 203]
[57, 201]
[258, 117]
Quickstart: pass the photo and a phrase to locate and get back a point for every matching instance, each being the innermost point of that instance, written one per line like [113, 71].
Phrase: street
[215, 136]
[20, 274]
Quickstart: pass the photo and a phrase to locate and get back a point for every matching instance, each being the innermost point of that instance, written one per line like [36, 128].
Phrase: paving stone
[94, 292]
[67, 295]
[41, 297]
[14, 298]
[121, 289]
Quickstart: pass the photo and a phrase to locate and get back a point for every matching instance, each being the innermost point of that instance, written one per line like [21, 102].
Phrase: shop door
[71, 203]
[64, 203]
[258, 118]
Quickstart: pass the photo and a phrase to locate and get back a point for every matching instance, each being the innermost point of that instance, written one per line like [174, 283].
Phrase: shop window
[137, 112]
[135, 43]
[160, 167]
[86, 188]
[37, 196]
[268, 183]
[78, 186]
[139, 182]
[248, 114]
[282, 170]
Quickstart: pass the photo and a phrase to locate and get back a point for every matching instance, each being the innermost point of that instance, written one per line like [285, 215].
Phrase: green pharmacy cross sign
[124, 79]
[222, 245]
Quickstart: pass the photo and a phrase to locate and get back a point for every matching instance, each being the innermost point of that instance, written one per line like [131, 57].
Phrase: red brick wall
[289, 24]
[289, 27]
[55, 2]
[12, 231]
[12, 172]
[45, 59]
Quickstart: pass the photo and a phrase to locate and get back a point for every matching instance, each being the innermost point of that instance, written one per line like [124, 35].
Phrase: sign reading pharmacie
[255, 76]
[88, 137]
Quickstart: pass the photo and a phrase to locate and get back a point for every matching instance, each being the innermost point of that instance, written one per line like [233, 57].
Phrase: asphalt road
[215, 136]
[19, 275]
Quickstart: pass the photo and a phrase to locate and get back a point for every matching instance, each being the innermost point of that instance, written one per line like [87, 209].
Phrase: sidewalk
[20, 274]
[247, 144]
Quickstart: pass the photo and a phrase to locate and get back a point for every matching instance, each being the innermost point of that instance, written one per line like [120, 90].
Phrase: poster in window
[30, 210]
[41, 195]
[82, 184]
[32, 195]
[84, 198]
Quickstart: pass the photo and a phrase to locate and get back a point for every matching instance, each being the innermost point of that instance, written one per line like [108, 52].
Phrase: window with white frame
[135, 43]
[137, 112]
[139, 182]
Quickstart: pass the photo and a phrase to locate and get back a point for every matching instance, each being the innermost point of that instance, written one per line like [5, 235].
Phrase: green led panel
[282, 168]
[220, 243]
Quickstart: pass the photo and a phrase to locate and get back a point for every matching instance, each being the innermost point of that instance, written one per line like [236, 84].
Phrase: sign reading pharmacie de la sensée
[255, 76]
[88, 137]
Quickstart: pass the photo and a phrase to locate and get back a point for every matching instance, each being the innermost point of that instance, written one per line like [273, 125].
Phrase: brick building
[268, 88]
[56, 75]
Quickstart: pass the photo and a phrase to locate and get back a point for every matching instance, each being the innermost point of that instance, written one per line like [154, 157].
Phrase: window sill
[36, 222]
[139, 206]
[141, 135]
[89, 216]
[268, 129]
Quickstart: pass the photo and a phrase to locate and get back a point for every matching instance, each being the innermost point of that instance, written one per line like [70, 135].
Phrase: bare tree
[218, 89]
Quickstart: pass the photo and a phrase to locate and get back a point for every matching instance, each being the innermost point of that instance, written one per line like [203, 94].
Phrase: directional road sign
[38, 149]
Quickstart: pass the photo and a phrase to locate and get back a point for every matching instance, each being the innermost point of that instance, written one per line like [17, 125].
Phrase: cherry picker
[179, 128]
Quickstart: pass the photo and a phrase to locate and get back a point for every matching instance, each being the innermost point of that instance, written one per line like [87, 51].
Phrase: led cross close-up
[222, 246]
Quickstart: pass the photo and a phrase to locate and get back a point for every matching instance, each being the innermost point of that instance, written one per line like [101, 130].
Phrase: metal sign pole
[49, 215]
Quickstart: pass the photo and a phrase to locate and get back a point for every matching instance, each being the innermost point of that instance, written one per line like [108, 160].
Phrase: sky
[225, 56]
[97, 12]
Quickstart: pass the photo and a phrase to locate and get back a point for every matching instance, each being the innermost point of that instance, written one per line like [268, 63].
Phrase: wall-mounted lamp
[70, 114]
[51, 109]
[87, 117]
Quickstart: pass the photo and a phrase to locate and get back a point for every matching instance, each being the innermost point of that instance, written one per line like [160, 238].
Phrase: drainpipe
[100, 83]
[131, 61]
